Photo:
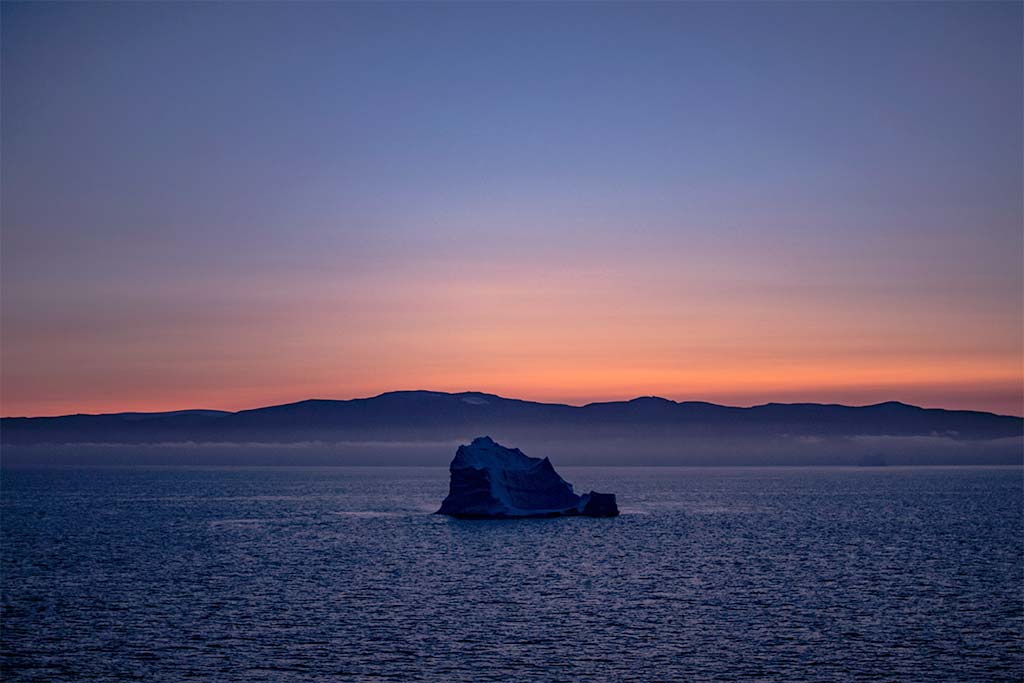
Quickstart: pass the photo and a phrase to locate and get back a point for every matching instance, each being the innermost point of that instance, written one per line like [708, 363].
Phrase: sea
[345, 574]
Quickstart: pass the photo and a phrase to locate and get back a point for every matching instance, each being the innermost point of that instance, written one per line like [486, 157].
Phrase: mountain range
[646, 430]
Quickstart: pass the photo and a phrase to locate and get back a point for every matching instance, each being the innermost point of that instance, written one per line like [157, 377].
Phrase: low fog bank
[802, 450]
[731, 451]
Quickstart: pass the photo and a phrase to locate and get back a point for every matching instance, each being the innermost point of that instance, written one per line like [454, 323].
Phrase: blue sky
[232, 204]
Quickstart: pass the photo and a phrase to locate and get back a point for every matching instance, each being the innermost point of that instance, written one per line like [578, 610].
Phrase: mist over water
[264, 574]
[644, 451]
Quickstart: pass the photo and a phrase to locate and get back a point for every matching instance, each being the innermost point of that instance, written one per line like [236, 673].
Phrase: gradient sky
[233, 205]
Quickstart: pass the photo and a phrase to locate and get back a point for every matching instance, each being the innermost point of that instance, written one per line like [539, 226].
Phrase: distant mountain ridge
[438, 416]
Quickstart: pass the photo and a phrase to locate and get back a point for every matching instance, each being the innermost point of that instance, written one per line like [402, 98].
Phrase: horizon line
[507, 398]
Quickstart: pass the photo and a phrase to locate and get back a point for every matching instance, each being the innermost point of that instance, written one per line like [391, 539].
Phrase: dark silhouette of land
[419, 427]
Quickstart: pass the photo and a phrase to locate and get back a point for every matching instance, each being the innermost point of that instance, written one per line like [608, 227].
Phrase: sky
[240, 204]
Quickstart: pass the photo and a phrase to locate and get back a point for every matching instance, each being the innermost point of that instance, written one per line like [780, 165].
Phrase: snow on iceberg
[489, 481]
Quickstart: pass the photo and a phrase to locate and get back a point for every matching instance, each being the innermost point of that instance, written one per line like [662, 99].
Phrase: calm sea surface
[294, 574]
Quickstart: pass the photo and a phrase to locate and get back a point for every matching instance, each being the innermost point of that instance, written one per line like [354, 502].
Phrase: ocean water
[342, 574]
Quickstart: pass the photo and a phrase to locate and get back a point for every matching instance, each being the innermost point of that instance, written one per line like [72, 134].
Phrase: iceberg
[489, 481]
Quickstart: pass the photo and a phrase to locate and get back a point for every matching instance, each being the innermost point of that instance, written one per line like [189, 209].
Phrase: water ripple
[328, 574]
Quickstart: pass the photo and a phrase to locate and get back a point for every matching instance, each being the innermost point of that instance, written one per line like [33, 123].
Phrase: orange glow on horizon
[993, 394]
[565, 335]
